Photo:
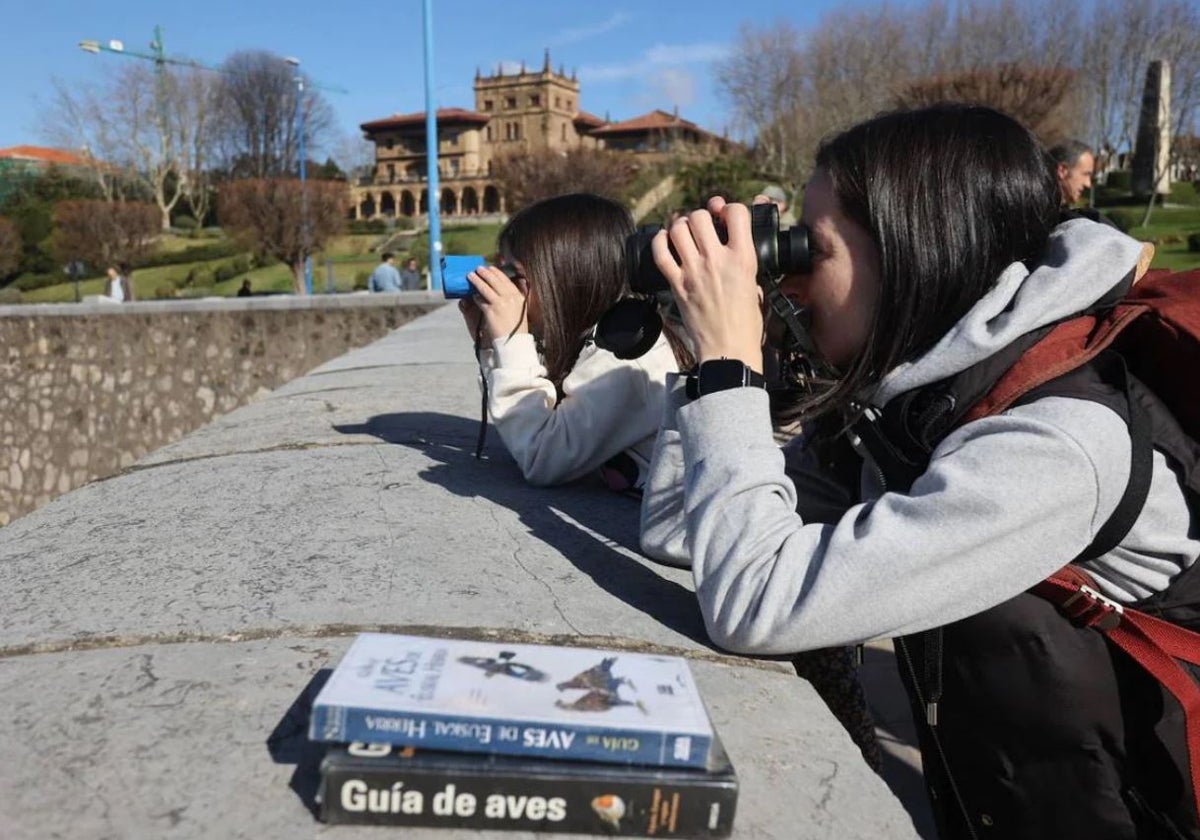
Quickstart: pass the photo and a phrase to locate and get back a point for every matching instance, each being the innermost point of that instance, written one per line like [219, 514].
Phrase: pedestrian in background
[410, 276]
[119, 286]
[385, 277]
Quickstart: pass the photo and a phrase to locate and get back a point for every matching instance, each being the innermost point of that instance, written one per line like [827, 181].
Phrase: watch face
[720, 375]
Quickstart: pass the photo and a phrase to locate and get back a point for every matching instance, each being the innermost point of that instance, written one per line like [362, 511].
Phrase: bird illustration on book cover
[601, 689]
[505, 663]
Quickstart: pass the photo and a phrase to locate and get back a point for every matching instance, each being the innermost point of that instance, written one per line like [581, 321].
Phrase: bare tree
[1124, 37]
[193, 121]
[1034, 95]
[79, 119]
[790, 90]
[10, 248]
[258, 123]
[529, 176]
[283, 218]
[141, 125]
[355, 155]
[764, 81]
[101, 233]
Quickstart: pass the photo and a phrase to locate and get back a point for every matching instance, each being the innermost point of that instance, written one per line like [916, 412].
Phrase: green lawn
[1169, 229]
[146, 280]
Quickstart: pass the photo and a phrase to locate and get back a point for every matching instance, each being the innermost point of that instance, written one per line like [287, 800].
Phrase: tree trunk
[298, 277]
[1149, 207]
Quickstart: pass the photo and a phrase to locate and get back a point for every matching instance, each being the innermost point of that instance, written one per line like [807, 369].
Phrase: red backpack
[1155, 329]
[1144, 341]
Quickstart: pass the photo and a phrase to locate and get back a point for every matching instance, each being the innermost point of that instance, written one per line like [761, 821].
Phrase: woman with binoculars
[936, 243]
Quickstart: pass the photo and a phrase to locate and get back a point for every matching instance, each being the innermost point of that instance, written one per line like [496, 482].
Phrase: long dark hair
[951, 195]
[573, 250]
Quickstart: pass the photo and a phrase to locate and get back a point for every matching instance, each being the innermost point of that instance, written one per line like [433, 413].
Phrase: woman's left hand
[502, 302]
[714, 283]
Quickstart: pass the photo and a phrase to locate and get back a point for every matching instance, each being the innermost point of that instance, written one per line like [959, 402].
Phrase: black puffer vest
[1031, 727]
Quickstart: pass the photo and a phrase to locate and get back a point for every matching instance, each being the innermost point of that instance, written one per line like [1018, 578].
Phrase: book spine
[513, 801]
[342, 724]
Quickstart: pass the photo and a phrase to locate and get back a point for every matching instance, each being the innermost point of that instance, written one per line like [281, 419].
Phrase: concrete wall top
[94, 305]
[160, 630]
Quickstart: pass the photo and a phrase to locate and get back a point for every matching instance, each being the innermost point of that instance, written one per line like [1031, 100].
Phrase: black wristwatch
[721, 375]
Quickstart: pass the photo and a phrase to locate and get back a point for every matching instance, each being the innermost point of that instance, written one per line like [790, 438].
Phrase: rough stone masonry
[87, 389]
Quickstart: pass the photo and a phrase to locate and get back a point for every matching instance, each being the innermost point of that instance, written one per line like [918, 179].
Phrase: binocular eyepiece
[779, 252]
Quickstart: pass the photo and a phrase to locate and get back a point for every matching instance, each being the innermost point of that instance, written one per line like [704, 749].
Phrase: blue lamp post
[434, 202]
[300, 113]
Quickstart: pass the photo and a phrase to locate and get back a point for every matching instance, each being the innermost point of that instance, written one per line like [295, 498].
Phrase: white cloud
[508, 67]
[655, 61]
[583, 33]
[677, 87]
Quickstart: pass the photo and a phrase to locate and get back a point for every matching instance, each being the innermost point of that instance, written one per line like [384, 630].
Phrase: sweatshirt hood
[1084, 260]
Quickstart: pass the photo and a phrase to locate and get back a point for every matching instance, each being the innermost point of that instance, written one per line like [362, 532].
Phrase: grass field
[1169, 229]
[351, 257]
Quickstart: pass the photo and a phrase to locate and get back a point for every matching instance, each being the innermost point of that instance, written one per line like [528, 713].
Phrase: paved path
[161, 630]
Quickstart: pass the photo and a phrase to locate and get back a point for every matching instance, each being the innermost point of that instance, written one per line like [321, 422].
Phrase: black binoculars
[779, 252]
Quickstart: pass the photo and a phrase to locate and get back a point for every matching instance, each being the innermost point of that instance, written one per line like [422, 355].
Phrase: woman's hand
[714, 283]
[501, 302]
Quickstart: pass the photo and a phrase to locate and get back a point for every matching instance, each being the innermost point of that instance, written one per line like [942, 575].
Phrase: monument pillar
[1151, 157]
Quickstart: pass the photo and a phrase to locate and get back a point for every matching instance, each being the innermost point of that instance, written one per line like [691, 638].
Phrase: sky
[630, 57]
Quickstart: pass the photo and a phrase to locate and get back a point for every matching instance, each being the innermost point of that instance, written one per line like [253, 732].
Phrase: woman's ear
[629, 328]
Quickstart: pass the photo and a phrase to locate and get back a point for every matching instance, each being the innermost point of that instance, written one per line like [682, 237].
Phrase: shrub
[365, 226]
[165, 292]
[360, 280]
[1193, 241]
[202, 277]
[1124, 218]
[1120, 179]
[195, 253]
[184, 222]
[9, 295]
[1184, 192]
[29, 282]
[224, 271]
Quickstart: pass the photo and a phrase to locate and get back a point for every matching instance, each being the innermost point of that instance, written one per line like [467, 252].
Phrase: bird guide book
[517, 699]
[381, 784]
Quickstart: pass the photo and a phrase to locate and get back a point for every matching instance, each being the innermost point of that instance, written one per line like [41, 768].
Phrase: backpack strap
[1141, 471]
[1156, 645]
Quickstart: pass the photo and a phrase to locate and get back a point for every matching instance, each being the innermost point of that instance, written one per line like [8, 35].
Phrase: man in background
[1074, 165]
[385, 277]
[410, 276]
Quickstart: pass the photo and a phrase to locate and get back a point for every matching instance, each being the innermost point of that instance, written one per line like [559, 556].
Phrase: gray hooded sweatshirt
[1006, 500]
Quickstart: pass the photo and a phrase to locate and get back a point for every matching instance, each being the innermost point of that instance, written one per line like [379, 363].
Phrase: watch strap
[722, 375]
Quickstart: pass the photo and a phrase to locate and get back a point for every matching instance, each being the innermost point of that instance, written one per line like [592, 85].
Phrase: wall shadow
[288, 743]
[592, 527]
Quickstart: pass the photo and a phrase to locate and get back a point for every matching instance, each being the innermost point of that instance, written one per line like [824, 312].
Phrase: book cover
[381, 784]
[517, 699]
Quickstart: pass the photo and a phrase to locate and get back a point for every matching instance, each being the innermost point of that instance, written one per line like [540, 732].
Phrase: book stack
[488, 735]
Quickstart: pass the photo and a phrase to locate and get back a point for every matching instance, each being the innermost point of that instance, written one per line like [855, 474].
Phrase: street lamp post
[300, 114]
[433, 204]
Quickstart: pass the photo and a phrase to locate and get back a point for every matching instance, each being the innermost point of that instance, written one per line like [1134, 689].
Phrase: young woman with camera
[936, 244]
[563, 406]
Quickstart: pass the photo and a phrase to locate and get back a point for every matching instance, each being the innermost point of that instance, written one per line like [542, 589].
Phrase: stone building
[514, 112]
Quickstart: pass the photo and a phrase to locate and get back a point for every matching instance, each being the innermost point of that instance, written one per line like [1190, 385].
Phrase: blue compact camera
[455, 270]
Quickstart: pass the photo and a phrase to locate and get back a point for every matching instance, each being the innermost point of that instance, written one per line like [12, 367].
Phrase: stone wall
[87, 389]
